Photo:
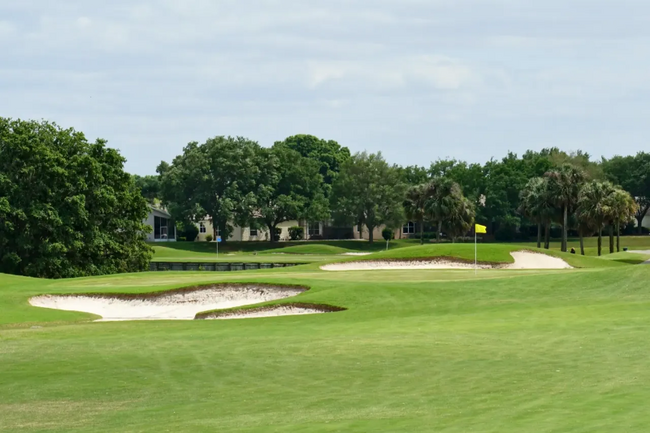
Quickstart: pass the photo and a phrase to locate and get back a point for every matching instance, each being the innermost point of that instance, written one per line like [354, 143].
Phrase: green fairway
[415, 351]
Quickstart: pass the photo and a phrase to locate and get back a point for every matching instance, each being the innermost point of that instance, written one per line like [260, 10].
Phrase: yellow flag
[480, 229]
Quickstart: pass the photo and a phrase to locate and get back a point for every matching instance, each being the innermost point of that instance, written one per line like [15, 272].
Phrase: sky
[417, 80]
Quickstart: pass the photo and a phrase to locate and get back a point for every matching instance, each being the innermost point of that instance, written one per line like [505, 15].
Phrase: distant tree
[416, 205]
[413, 175]
[444, 200]
[329, 154]
[368, 192]
[67, 207]
[564, 185]
[623, 209]
[537, 206]
[503, 182]
[149, 187]
[459, 221]
[217, 179]
[470, 177]
[290, 188]
[594, 207]
[632, 173]
[579, 159]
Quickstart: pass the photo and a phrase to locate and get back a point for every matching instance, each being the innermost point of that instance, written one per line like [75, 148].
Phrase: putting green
[415, 351]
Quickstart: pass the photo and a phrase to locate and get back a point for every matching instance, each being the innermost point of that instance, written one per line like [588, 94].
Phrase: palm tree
[536, 204]
[445, 195]
[623, 208]
[415, 205]
[460, 219]
[594, 208]
[564, 185]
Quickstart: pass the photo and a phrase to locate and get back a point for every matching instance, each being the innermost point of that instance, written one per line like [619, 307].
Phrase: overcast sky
[414, 79]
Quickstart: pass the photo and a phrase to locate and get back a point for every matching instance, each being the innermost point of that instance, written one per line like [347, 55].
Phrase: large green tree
[67, 207]
[290, 187]
[368, 192]
[218, 179]
[329, 154]
[632, 173]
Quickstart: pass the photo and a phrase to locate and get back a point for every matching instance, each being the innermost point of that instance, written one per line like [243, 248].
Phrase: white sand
[528, 260]
[269, 312]
[523, 260]
[169, 306]
[356, 254]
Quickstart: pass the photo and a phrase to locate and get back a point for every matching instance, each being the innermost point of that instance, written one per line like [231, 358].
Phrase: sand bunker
[271, 311]
[523, 260]
[181, 304]
[356, 254]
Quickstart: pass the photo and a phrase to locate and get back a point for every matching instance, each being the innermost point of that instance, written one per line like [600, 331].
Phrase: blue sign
[218, 238]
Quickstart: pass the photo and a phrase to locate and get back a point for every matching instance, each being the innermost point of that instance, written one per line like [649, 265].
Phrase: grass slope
[416, 351]
[487, 253]
[264, 252]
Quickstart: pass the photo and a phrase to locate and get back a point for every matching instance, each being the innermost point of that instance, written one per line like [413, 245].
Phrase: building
[407, 231]
[162, 226]
[245, 234]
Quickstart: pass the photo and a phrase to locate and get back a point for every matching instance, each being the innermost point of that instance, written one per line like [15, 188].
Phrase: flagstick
[475, 254]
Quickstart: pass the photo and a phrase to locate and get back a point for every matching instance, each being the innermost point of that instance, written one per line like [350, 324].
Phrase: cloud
[469, 79]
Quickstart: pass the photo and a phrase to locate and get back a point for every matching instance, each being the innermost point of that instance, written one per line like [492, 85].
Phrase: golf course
[404, 350]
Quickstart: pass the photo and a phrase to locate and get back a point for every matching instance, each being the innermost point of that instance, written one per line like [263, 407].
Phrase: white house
[250, 234]
[162, 226]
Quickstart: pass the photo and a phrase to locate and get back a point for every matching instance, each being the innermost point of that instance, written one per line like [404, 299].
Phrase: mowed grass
[591, 244]
[416, 351]
[485, 253]
[265, 252]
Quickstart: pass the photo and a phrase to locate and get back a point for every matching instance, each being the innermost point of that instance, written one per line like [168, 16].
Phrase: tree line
[68, 208]
[237, 181]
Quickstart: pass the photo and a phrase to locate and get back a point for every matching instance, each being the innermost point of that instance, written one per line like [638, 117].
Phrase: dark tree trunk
[639, 221]
[422, 232]
[582, 243]
[539, 235]
[618, 237]
[564, 228]
[438, 231]
[547, 236]
[611, 238]
[600, 241]
[271, 227]
[371, 234]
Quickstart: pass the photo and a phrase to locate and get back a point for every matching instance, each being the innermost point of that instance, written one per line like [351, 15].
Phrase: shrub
[182, 239]
[208, 238]
[187, 230]
[296, 233]
[387, 234]
[426, 236]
